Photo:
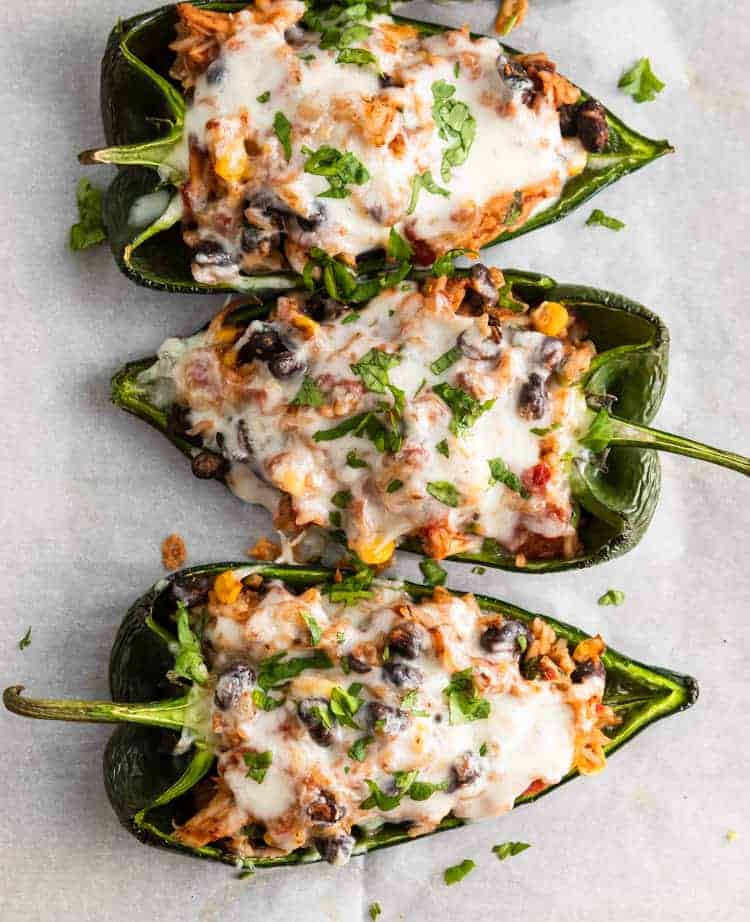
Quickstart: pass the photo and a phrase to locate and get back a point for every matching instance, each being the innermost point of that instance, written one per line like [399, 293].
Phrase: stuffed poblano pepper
[303, 716]
[253, 135]
[487, 417]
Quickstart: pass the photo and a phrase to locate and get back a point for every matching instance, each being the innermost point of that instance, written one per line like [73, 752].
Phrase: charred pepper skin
[140, 769]
[138, 97]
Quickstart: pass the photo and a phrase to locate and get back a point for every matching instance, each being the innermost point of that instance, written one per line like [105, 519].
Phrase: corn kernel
[291, 483]
[227, 587]
[376, 551]
[305, 324]
[550, 318]
[578, 165]
[231, 165]
[591, 648]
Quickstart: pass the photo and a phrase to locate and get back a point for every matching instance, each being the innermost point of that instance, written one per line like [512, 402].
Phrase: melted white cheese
[330, 104]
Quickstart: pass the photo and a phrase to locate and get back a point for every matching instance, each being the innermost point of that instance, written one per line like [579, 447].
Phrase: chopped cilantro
[264, 97]
[455, 123]
[358, 749]
[442, 447]
[90, 229]
[352, 588]
[25, 641]
[344, 705]
[359, 56]
[479, 570]
[334, 517]
[483, 749]
[342, 498]
[445, 361]
[464, 408]
[275, 670]
[373, 368]
[424, 181]
[641, 82]
[264, 701]
[354, 460]
[514, 209]
[546, 430]
[611, 597]
[283, 128]
[597, 216]
[394, 486]
[509, 849]
[398, 248]
[501, 473]
[446, 264]
[308, 395]
[464, 705]
[258, 764]
[374, 911]
[313, 627]
[445, 492]
[339, 169]
[457, 872]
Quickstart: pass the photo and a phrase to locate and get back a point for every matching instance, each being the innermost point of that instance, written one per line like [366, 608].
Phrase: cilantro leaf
[433, 573]
[90, 229]
[345, 704]
[358, 749]
[442, 447]
[342, 498]
[265, 702]
[25, 641]
[464, 408]
[394, 486]
[283, 129]
[373, 368]
[501, 473]
[612, 597]
[514, 209]
[597, 216]
[264, 97]
[445, 265]
[464, 705]
[641, 82]
[353, 460]
[352, 588]
[380, 799]
[509, 849]
[445, 492]
[423, 790]
[359, 56]
[399, 248]
[339, 169]
[258, 764]
[275, 670]
[313, 627]
[445, 361]
[344, 428]
[457, 872]
[455, 123]
[424, 181]
[188, 662]
[374, 911]
[308, 395]
[546, 430]
[409, 703]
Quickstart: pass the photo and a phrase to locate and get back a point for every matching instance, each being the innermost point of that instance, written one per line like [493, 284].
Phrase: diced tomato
[536, 478]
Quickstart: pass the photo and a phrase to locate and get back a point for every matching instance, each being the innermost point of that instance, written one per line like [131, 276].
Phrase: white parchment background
[88, 494]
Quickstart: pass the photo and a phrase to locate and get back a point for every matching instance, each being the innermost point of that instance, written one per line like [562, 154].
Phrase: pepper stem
[626, 433]
[170, 713]
[150, 154]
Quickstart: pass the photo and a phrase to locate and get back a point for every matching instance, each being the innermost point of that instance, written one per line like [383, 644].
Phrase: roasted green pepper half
[618, 488]
[143, 113]
[150, 787]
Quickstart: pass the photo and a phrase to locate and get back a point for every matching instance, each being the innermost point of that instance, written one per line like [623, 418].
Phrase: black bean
[262, 344]
[390, 720]
[532, 400]
[323, 308]
[403, 676]
[586, 669]
[325, 810]
[309, 711]
[207, 465]
[215, 72]
[190, 590]
[465, 770]
[481, 282]
[295, 35]
[335, 849]
[357, 665]
[253, 237]
[178, 422]
[591, 125]
[212, 253]
[286, 364]
[406, 639]
[313, 221]
[387, 81]
[504, 638]
[231, 684]
[567, 113]
[551, 353]
[478, 348]
[514, 75]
